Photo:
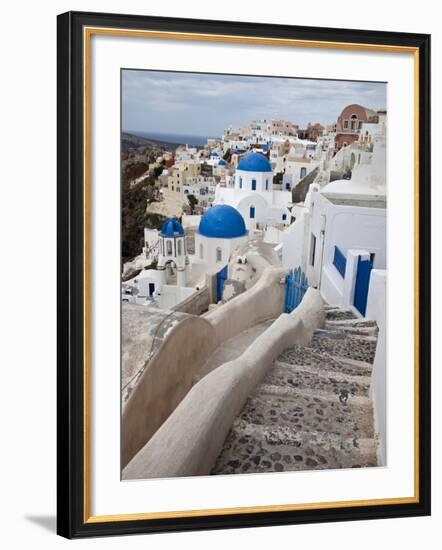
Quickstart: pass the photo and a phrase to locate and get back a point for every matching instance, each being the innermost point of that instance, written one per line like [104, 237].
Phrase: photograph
[243, 274]
[253, 274]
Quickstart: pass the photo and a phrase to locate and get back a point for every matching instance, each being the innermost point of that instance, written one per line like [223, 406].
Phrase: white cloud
[204, 104]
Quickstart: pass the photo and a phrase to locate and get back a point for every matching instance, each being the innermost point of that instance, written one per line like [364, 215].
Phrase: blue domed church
[221, 230]
[252, 193]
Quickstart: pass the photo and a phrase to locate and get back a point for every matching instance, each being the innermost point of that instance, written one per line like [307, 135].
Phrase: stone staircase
[312, 410]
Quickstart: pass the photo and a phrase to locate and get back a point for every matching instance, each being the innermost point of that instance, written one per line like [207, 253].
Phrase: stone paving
[312, 410]
[143, 331]
[344, 344]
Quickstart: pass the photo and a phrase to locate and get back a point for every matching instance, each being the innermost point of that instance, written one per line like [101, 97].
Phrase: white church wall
[214, 251]
[263, 181]
[253, 205]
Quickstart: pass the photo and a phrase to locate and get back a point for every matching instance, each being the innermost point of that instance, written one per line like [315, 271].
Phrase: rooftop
[222, 222]
[254, 162]
[364, 202]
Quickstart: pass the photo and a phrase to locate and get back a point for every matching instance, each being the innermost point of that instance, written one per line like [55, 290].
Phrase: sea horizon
[189, 139]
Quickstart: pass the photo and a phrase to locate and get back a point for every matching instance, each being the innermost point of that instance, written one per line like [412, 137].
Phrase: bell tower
[172, 250]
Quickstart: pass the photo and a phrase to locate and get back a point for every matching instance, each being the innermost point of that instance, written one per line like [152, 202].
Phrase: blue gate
[296, 285]
[221, 277]
[361, 286]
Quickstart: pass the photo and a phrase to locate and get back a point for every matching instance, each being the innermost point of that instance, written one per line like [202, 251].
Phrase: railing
[296, 285]
[340, 261]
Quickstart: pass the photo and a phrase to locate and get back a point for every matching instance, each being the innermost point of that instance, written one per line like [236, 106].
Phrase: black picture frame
[72, 393]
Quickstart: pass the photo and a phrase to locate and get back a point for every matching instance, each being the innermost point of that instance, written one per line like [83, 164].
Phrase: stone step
[339, 314]
[308, 377]
[253, 448]
[310, 410]
[301, 355]
[347, 362]
[342, 344]
[361, 331]
[338, 334]
[343, 323]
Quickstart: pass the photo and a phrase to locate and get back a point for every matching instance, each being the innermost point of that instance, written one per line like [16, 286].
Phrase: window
[180, 248]
[240, 183]
[303, 172]
[201, 251]
[252, 212]
[253, 185]
[312, 250]
[340, 261]
[284, 217]
[169, 248]
[219, 255]
[345, 123]
[354, 122]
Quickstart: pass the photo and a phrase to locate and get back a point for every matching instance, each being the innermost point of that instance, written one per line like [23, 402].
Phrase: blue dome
[222, 222]
[214, 153]
[254, 162]
[172, 228]
[222, 162]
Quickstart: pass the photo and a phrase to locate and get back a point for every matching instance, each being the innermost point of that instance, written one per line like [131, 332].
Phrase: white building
[337, 225]
[185, 154]
[253, 194]
[166, 286]
[201, 187]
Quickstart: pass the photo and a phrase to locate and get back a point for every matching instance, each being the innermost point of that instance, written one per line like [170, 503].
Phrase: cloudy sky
[205, 104]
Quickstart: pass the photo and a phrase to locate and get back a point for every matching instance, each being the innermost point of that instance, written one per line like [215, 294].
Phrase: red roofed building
[350, 122]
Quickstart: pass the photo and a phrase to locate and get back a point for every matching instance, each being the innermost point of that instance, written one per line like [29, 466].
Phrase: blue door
[221, 277]
[252, 212]
[151, 289]
[361, 286]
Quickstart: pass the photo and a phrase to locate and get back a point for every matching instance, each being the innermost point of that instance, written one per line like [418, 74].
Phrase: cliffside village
[297, 212]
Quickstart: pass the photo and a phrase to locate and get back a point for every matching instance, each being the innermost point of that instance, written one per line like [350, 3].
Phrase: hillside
[131, 141]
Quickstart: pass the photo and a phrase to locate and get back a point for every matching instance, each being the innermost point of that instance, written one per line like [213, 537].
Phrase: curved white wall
[190, 441]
